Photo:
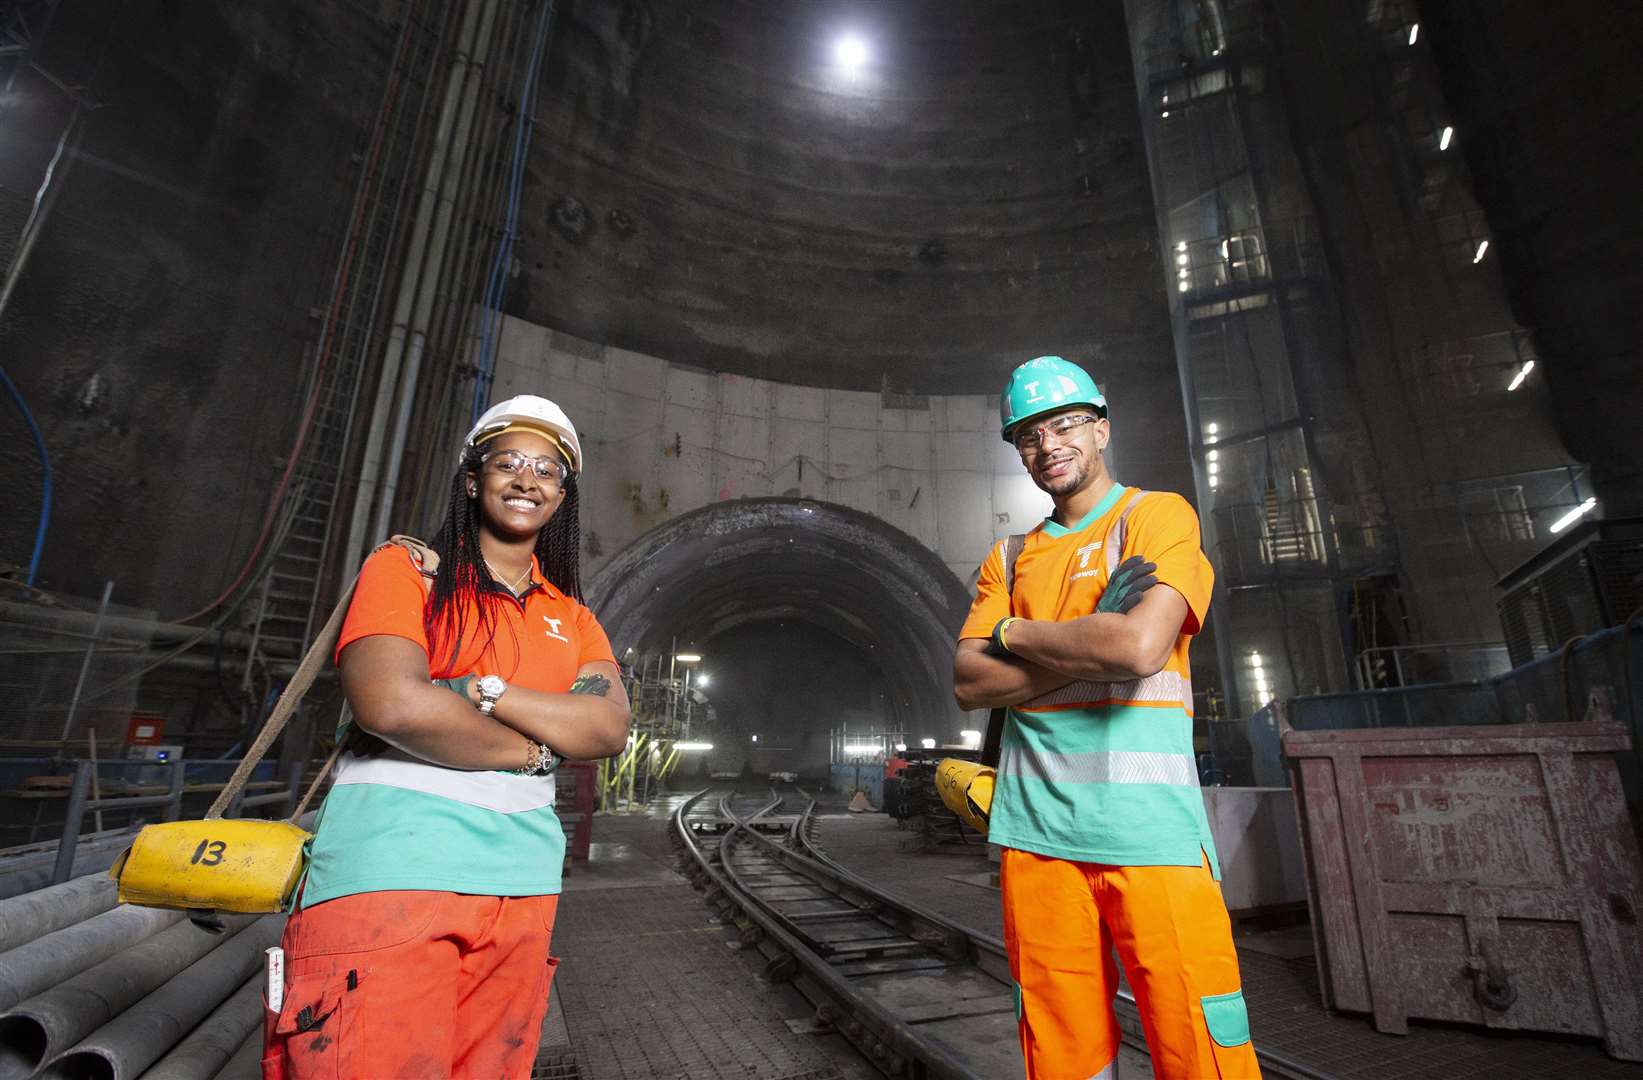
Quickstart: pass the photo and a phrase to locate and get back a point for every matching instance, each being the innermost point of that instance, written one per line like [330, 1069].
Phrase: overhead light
[755, 738]
[1574, 515]
[1213, 454]
[1164, 114]
[901, 748]
[1181, 259]
[1214, 467]
[1213, 428]
[1214, 482]
[850, 51]
[1182, 285]
[1414, 32]
[928, 744]
[861, 748]
[1182, 246]
[701, 680]
[1483, 246]
[1224, 254]
[1445, 138]
[692, 747]
[1523, 373]
[971, 738]
[688, 657]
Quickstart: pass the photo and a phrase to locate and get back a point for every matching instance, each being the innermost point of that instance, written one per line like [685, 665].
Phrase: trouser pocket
[1227, 1019]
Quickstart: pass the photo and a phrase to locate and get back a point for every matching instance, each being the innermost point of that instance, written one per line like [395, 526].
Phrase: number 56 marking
[209, 853]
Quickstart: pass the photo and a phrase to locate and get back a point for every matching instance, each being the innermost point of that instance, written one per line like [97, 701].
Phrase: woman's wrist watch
[491, 688]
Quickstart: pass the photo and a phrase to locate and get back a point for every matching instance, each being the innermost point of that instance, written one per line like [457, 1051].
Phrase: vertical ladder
[287, 615]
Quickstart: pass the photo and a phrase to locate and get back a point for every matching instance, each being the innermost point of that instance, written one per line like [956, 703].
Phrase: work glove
[1133, 577]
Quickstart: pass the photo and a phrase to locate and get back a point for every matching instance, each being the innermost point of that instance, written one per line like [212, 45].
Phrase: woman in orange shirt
[421, 944]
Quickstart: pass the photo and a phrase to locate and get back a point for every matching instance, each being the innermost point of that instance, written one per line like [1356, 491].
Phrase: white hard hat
[527, 412]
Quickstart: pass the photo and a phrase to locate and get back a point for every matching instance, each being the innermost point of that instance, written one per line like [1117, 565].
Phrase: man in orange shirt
[1096, 802]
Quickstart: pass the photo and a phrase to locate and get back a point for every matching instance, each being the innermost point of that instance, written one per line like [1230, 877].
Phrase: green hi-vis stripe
[1125, 824]
[1113, 727]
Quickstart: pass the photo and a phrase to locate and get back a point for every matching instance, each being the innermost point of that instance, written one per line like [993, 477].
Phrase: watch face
[492, 686]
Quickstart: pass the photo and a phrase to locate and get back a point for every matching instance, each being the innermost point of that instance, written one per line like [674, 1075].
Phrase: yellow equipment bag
[966, 788]
[224, 864]
[240, 864]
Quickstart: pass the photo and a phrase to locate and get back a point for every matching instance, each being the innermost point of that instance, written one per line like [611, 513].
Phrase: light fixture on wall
[928, 744]
[1446, 138]
[1522, 373]
[1574, 515]
[1414, 32]
[692, 747]
[1483, 246]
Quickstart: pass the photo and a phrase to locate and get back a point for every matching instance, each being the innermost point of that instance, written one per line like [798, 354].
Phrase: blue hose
[45, 484]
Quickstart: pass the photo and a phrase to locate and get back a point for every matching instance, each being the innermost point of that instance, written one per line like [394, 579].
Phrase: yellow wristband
[1004, 632]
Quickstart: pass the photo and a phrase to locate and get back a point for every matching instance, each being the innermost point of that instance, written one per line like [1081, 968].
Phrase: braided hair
[463, 575]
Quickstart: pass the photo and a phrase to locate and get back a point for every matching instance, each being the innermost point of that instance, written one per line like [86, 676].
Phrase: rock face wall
[159, 330]
[712, 186]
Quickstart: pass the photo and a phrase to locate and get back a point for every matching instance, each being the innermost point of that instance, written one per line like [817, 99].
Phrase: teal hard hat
[1044, 385]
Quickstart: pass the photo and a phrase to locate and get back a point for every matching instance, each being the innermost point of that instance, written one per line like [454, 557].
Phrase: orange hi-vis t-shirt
[1102, 772]
[394, 821]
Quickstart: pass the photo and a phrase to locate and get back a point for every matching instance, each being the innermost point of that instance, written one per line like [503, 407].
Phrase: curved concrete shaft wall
[662, 438]
[751, 560]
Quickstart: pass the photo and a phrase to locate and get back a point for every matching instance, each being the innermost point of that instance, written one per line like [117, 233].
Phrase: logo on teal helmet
[1044, 385]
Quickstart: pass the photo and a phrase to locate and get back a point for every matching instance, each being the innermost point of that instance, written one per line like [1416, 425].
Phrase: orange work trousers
[412, 984]
[1064, 920]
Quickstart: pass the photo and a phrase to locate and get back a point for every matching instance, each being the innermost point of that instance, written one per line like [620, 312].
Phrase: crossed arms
[1103, 647]
[386, 681]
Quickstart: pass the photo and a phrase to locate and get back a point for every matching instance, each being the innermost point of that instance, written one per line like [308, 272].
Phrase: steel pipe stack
[122, 1048]
[25, 918]
[57, 957]
[36, 1031]
[207, 1049]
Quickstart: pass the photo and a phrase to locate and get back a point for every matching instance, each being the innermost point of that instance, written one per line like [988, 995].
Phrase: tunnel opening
[809, 617]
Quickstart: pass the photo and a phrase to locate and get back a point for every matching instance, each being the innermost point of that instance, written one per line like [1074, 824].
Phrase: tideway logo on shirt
[1084, 554]
[553, 629]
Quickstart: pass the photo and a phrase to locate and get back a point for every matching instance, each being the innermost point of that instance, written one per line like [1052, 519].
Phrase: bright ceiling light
[1483, 246]
[850, 51]
[928, 744]
[861, 748]
[1523, 373]
[688, 657]
[971, 738]
[1414, 32]
[692, 747]
[901, 748]
[1446, 138]
[1574, 515]
[701, 680]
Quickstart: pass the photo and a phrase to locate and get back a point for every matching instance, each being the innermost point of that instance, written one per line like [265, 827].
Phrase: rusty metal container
[1486, 875]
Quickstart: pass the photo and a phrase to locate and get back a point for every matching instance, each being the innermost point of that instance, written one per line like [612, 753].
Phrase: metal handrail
[80, 803]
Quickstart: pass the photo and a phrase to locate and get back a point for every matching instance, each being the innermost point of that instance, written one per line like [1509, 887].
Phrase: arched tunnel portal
[795, 583]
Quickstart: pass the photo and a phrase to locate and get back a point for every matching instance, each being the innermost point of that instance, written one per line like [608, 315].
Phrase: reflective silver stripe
[1099, 767]
[1113, 546]
[501, 792]
[1165, 686]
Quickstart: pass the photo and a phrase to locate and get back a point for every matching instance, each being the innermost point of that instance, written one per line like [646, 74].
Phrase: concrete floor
[649, 987]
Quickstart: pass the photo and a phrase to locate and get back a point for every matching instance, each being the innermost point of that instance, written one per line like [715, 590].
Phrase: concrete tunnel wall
[747, 560]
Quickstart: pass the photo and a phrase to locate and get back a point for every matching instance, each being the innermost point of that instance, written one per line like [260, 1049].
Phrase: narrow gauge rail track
[918, 994]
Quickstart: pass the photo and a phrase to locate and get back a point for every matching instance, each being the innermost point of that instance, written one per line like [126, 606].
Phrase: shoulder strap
[1112, 546]
[319, 653]
[1012, 551]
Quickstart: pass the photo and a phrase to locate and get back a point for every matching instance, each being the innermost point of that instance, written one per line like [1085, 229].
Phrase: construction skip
[1486, 875]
